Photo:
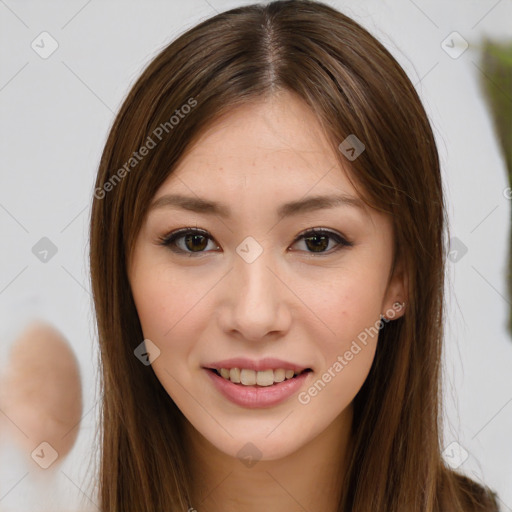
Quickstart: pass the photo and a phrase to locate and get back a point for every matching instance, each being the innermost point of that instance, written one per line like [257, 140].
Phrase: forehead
[275, 145]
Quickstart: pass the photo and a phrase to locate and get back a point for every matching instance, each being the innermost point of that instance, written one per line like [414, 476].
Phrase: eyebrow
[204, 206]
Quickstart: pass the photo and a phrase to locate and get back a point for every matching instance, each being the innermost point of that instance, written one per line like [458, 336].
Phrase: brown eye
[187, 241]
[317, 241]
[194, 242]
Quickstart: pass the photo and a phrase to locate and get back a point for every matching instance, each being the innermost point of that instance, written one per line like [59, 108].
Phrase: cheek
[349, 307]
[345, 302]
[165, 303]
[173, 310]
[164, 311]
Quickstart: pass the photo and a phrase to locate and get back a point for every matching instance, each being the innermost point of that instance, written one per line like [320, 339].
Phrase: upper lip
[263, 364]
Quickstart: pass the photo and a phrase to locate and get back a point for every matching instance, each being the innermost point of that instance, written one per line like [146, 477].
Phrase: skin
[290, 303]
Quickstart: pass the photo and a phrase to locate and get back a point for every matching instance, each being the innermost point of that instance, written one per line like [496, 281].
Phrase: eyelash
[170, 239]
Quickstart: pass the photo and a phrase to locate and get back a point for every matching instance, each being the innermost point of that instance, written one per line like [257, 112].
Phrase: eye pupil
[195, 239]
[190, 241]
[319, 246]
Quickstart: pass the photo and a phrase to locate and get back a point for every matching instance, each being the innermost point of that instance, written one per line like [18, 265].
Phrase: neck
[309, 478]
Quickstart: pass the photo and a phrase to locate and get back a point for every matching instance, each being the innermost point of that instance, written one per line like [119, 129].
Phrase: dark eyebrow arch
[312, 203]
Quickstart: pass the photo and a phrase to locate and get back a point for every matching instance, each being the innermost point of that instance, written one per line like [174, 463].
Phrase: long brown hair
[354, 86]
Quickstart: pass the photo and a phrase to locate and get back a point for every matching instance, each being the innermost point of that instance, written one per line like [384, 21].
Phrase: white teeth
[248, 377]
[265, 378]
[279, 375]
[234, 375]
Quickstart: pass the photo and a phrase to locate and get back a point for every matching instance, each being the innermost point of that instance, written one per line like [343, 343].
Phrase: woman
[267, 262]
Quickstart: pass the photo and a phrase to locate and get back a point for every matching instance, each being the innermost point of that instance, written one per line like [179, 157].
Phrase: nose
[256, 300]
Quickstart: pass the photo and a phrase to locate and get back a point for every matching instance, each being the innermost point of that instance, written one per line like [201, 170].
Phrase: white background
[55, 114]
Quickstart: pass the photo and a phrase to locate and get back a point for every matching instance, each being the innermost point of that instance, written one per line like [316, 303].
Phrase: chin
[251, 447]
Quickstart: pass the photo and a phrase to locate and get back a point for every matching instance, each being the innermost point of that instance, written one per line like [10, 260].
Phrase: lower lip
[254, 397]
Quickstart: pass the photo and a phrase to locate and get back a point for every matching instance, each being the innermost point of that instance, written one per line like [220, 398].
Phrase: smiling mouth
[265, 378]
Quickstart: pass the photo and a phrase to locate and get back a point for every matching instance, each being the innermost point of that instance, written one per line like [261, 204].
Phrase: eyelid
[322, 231]
[341, 240]
[170, 238]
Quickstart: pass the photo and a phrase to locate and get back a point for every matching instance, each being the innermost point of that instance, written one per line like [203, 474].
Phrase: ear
[396, 296]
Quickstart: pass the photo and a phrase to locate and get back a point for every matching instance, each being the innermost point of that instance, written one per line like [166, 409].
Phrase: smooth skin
[291, 303]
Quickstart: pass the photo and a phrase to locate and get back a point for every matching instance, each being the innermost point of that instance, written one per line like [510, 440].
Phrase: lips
[255, 395]
[247, 377]
[261, 365]
[266, 372]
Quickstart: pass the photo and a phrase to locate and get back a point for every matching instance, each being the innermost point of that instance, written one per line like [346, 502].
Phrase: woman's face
[250, 281]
